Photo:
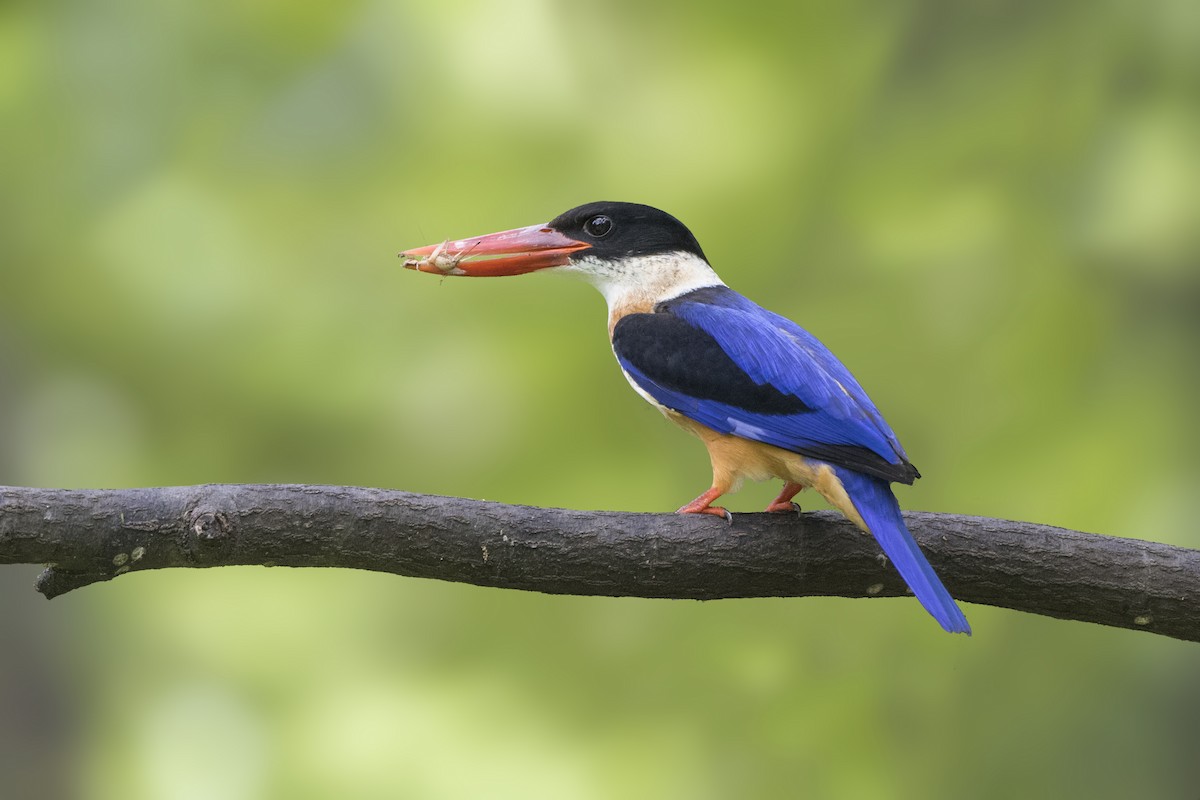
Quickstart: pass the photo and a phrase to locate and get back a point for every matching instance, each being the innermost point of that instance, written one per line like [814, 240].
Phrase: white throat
[643, 281]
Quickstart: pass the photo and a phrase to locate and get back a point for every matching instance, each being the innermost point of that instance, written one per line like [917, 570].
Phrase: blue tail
[878, 507]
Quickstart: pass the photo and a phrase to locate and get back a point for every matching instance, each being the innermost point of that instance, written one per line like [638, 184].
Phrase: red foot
[716, 511]
[784, 501]
[702, 505]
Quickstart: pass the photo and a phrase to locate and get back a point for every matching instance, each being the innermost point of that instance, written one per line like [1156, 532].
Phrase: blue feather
[878, 507]
[774, 350]
[795, 432]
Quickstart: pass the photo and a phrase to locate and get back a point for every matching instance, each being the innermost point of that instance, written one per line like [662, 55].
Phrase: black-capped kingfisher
[767, 399]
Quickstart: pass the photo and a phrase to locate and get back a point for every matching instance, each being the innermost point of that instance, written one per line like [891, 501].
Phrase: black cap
[620, 230]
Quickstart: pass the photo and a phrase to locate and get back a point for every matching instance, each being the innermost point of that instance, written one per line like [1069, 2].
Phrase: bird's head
[618, 246]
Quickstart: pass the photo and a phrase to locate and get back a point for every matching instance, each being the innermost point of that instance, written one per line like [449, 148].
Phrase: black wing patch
[681, 357]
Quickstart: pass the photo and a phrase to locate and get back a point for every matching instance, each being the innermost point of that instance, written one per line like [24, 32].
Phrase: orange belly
[735, 459]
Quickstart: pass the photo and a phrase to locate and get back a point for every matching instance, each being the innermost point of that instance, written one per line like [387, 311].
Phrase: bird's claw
[714, 511]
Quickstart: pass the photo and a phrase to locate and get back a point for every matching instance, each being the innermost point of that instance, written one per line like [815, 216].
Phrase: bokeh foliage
[989, 210]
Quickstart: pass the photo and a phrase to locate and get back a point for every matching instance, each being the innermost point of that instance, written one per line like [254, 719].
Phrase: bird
[767, 399]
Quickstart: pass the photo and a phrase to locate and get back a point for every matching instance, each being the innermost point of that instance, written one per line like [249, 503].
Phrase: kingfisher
[765, 397]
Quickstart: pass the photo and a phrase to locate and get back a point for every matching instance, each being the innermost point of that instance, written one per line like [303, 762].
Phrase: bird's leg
[784, 501]
[703, 505]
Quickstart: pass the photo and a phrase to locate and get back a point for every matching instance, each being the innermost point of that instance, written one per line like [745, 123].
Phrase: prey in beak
[513, 252]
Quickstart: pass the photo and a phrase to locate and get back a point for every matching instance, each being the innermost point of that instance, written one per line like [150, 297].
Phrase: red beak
[512, 252]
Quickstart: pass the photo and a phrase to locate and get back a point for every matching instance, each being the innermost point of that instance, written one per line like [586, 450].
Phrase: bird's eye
[598, 226]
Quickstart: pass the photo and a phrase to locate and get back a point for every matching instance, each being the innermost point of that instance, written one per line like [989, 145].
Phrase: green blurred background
[989, 210]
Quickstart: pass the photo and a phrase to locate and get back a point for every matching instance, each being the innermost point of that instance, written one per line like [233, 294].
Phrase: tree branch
[89, 536]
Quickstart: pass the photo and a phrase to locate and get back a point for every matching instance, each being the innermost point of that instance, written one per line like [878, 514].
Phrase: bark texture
[87, 536]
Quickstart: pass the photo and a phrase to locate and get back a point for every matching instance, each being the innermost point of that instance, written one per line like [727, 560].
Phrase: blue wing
[716, 357]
